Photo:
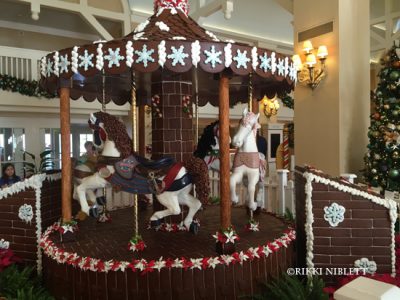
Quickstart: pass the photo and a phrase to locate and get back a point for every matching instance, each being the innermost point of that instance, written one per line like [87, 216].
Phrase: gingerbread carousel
[172, 64]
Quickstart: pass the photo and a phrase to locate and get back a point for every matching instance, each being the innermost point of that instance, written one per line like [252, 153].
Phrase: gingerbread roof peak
[182, 5]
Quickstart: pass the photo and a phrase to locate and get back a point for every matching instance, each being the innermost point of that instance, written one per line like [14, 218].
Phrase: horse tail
[199, 171]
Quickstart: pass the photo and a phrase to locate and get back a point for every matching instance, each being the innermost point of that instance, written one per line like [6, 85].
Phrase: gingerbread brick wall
[21, 235]
[172, 134]
[364, 232]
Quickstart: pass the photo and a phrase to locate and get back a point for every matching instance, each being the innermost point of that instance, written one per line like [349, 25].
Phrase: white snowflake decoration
[265, 64]
[241, 59]
[178, 56]
[113, 57]
[25, 213]
[49, 67]
[86, 60]
[4, 244]
[334, 214]
[64, 63]
[145, 56]
[213, 57]
[369, 266]
[281, 67]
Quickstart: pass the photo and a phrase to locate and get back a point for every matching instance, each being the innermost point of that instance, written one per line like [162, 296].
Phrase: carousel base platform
[174, 265]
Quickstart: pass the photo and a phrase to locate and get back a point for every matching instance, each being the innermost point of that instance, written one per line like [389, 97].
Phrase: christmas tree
[383, 157]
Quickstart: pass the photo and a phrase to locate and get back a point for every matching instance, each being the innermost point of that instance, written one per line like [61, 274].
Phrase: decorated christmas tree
[383, 157]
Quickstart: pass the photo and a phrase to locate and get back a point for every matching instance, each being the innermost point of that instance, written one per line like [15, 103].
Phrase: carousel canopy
[169, 41]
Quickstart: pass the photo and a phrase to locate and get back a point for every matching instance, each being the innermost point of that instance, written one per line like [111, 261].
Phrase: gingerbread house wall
[364, 232]
[21, 235]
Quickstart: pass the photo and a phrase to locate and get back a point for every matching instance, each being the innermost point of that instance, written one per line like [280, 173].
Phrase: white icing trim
[196, 48]
[99, 57]
[254, 57]
[162, 26]
[129, 53]
[43, 66]
[387, 203]
[228, 55]
[212, 35]
[162, 53]
[141, 26]
[56, 58]
[179, 38]
[309, 221]
[74, 59]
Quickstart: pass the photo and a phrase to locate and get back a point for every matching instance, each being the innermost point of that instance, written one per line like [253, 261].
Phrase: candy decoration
[155, 102]
[186, 105]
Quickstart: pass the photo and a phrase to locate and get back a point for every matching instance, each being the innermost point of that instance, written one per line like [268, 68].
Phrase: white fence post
[349, 177]
[282, 182]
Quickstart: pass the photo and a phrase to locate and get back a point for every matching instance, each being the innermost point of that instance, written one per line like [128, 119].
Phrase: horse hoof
[101, 200]
[253, 206]
[156, 223]
[194, 228]
[93, 212]
[81, 216]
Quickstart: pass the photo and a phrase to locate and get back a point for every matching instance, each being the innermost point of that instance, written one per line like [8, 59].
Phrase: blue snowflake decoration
[334, 214]
[178, 56]
[113, 57]
[281, 67]
[144, 55]
[265, 64]
[86, 60]
[213, 57]
[49, 67]
[64, 63]
[241, 59]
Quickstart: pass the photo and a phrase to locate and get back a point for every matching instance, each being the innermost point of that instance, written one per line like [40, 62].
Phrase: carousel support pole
[250, 105]
[66, 170]
[134, 146]
[224, 151]
[196, 107]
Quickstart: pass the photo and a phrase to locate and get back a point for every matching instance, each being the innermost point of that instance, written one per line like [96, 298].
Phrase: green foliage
[288, 216]
[214, 200]
[292, 288]
[46, 163]
[21, 285]
[24, 87]
[287, 100]
[382, 161]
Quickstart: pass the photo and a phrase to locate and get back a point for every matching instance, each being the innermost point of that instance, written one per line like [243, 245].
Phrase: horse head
[208, 141]
[248, 124]
[109, 132]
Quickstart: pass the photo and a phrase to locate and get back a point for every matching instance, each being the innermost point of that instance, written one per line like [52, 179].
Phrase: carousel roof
[168, 40]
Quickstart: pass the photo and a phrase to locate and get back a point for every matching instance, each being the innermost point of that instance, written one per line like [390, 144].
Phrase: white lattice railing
[20, 63]
[278, 192]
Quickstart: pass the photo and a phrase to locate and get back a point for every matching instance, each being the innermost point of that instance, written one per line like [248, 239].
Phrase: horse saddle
[126, 167]
[154, 168]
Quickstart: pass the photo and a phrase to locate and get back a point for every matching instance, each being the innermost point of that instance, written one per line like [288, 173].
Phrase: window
[12, 147]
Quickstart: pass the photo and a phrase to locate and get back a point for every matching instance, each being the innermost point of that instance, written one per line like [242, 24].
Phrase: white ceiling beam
[92, 21]
[208, 9]
[286, 4]
[48, 30]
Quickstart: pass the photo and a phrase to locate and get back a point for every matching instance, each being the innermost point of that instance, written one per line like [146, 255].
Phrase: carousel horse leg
[91, 197]
[253, 177]
[170, 201]
[236, 177]
[194, 205]
[91, 183]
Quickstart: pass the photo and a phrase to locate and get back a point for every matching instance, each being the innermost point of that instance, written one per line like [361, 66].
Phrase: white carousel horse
[247, 161]
[135, 174]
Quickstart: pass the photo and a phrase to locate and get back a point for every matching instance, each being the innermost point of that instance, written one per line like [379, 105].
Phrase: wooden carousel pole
[224, 151]
[66, 169]
[134, 145]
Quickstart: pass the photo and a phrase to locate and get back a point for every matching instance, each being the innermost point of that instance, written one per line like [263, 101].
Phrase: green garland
[287, 101]
[22, 86]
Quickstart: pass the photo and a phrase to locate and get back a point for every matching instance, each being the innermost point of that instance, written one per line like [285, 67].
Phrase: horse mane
[116, 131]
[206, 141]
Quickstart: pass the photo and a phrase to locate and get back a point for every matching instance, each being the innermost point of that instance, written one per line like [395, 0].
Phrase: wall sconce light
[271, 106]
[308, 73]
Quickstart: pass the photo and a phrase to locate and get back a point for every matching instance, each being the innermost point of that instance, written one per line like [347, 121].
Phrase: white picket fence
[278, 192]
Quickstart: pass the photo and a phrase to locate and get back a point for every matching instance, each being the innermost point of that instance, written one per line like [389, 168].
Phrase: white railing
[20, 63]
[278, 192]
